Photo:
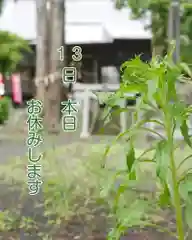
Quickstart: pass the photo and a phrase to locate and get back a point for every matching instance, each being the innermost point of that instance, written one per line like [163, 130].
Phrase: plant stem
[177, 200]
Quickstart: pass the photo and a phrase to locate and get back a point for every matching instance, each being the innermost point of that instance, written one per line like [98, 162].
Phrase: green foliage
[159, 11]
[157, 81]
[11, 50]
[186, 31]
[8, 220]
[4, 109]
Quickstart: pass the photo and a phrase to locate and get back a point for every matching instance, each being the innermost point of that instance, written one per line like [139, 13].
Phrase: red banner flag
[16, 88]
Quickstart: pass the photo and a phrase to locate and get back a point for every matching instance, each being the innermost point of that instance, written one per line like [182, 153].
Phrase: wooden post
[41, 48]
[53, 90]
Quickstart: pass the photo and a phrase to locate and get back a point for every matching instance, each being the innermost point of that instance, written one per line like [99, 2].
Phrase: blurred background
[108, 31]
[108, 36]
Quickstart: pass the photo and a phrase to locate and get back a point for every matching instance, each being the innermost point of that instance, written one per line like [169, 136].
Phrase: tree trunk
[157, 50]
[40, 48]
[53, 90]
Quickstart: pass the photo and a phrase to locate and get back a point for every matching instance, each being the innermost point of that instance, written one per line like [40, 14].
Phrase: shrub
[11, 51]
[4, 109]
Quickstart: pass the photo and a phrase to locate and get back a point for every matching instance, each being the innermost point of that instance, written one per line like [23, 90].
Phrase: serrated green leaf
[185, 67]
[185, 188]
[102, 97]
[177, 109]
[152, 89]
[130, 158]
[106, 115]
[132, 88]
[171, 80]
[133, 175]
[134, 72]
[185, 132]
[132, 215]
[129, 216]
[157, 97]
[120, 191]
[165, 196]
[162, 160]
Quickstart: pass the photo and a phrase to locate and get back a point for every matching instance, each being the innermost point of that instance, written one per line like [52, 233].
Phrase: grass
[75, 188]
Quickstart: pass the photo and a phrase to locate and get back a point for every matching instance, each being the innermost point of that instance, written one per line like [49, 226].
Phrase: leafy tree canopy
[159, 11]
[11, 50]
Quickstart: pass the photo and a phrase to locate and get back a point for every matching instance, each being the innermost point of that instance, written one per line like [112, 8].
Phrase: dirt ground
[13, 144]
[77, 232]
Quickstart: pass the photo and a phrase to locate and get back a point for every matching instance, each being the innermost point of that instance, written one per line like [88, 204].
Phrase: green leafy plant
[157, 83]
[12, 48]
[8, 220]
[4, 109]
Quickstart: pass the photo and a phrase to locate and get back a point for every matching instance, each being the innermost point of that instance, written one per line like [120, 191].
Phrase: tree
[55, 39]
[11, 48]
[159, 26]
[186, 28]
[41, 46]
[159, 13]
[50, 28]
[50, 37]
[11, 51]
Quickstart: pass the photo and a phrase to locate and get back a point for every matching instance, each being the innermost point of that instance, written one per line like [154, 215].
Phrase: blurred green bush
[4, 109]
